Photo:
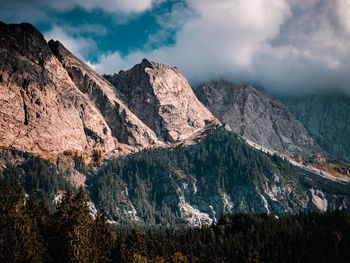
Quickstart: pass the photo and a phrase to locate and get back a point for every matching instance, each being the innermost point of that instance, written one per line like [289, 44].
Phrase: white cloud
[223, 37]
[79, 46]
[36, 10]
[106, 5]
[284, 44]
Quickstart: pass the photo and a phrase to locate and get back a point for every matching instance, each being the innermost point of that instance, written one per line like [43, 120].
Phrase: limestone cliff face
[41, 109]
[162, 98]
[267, 123]
[257, 116]
[52, 102]
[125, 126]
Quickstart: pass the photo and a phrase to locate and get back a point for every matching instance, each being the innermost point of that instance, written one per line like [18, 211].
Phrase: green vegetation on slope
[153, 181]
[31, 232]
[36, 175]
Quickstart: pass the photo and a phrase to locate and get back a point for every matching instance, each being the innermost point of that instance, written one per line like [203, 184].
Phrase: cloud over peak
[284, 45]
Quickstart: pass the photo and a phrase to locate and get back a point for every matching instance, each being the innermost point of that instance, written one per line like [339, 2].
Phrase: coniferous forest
[34, 228]
[32, 232]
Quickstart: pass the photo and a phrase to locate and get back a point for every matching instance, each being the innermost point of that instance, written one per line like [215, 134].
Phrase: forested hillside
[36, 175]
[187, 185]
[194, 185]
[31, 232]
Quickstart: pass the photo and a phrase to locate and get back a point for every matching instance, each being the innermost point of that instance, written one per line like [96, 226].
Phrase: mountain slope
[266, 122]
[53, 103]
[41, 109]
[125, 126]
[327, 118]
[194, 185]
[257, 116]
[162, 98]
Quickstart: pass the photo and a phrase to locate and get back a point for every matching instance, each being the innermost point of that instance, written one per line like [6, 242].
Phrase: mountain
[256, 116]
[53, 104]
[267, 123]
[327, 118]
[41, 109]
[194, 185]
[143, 145]
[162, 98]
[125, 126]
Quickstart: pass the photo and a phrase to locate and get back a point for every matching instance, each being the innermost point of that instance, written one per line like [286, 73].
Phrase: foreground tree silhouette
[72, 229]
[19, 234]
[101, 238]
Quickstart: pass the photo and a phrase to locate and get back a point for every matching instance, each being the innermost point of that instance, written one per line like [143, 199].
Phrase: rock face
[327, 118]
[41, 109]
[51, 102]
[266, 123]
[162, 98]
[257, 116]
[125, 126]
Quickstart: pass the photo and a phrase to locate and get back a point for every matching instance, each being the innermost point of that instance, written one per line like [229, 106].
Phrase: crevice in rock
[26, 115]
[25, 107]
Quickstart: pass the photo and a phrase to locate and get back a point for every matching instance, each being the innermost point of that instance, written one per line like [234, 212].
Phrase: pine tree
[35, 249]
[73, 228]
[102, 239]
[19, 233]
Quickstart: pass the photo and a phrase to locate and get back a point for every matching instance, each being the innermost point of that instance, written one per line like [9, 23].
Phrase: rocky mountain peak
[145, 63]
[162, 98]
[125, 126]
[265, 122]
[25, 39]
[41, 109]
[51, 102]
[257, 116]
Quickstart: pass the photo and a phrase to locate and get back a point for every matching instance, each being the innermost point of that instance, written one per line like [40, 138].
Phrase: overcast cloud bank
[285, 45]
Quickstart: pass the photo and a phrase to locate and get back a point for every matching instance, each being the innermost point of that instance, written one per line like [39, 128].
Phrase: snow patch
[272, 193]
[129, 211]
[92, 209]
[194, 187]
[185, 186]
[125, 191]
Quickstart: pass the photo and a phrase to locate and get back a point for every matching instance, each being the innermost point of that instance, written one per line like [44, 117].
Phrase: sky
[286, 46]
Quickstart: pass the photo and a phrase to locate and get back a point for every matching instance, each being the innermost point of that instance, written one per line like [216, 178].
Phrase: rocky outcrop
[41, 109]
[162, 99]
[267, 124]
[125, 126]
[52, 103]
[257, 116]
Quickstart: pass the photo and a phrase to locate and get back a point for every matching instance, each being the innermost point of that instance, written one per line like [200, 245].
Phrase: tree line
[32, 232]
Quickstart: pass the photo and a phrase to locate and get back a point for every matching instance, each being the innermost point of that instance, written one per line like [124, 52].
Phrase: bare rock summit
[41, 109]
[265, 122]
[125, 126]
[257, 116]
[53, 103]
[162, 98]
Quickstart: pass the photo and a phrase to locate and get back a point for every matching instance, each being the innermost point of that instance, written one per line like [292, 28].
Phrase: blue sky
[113, 31]
[284, 45]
